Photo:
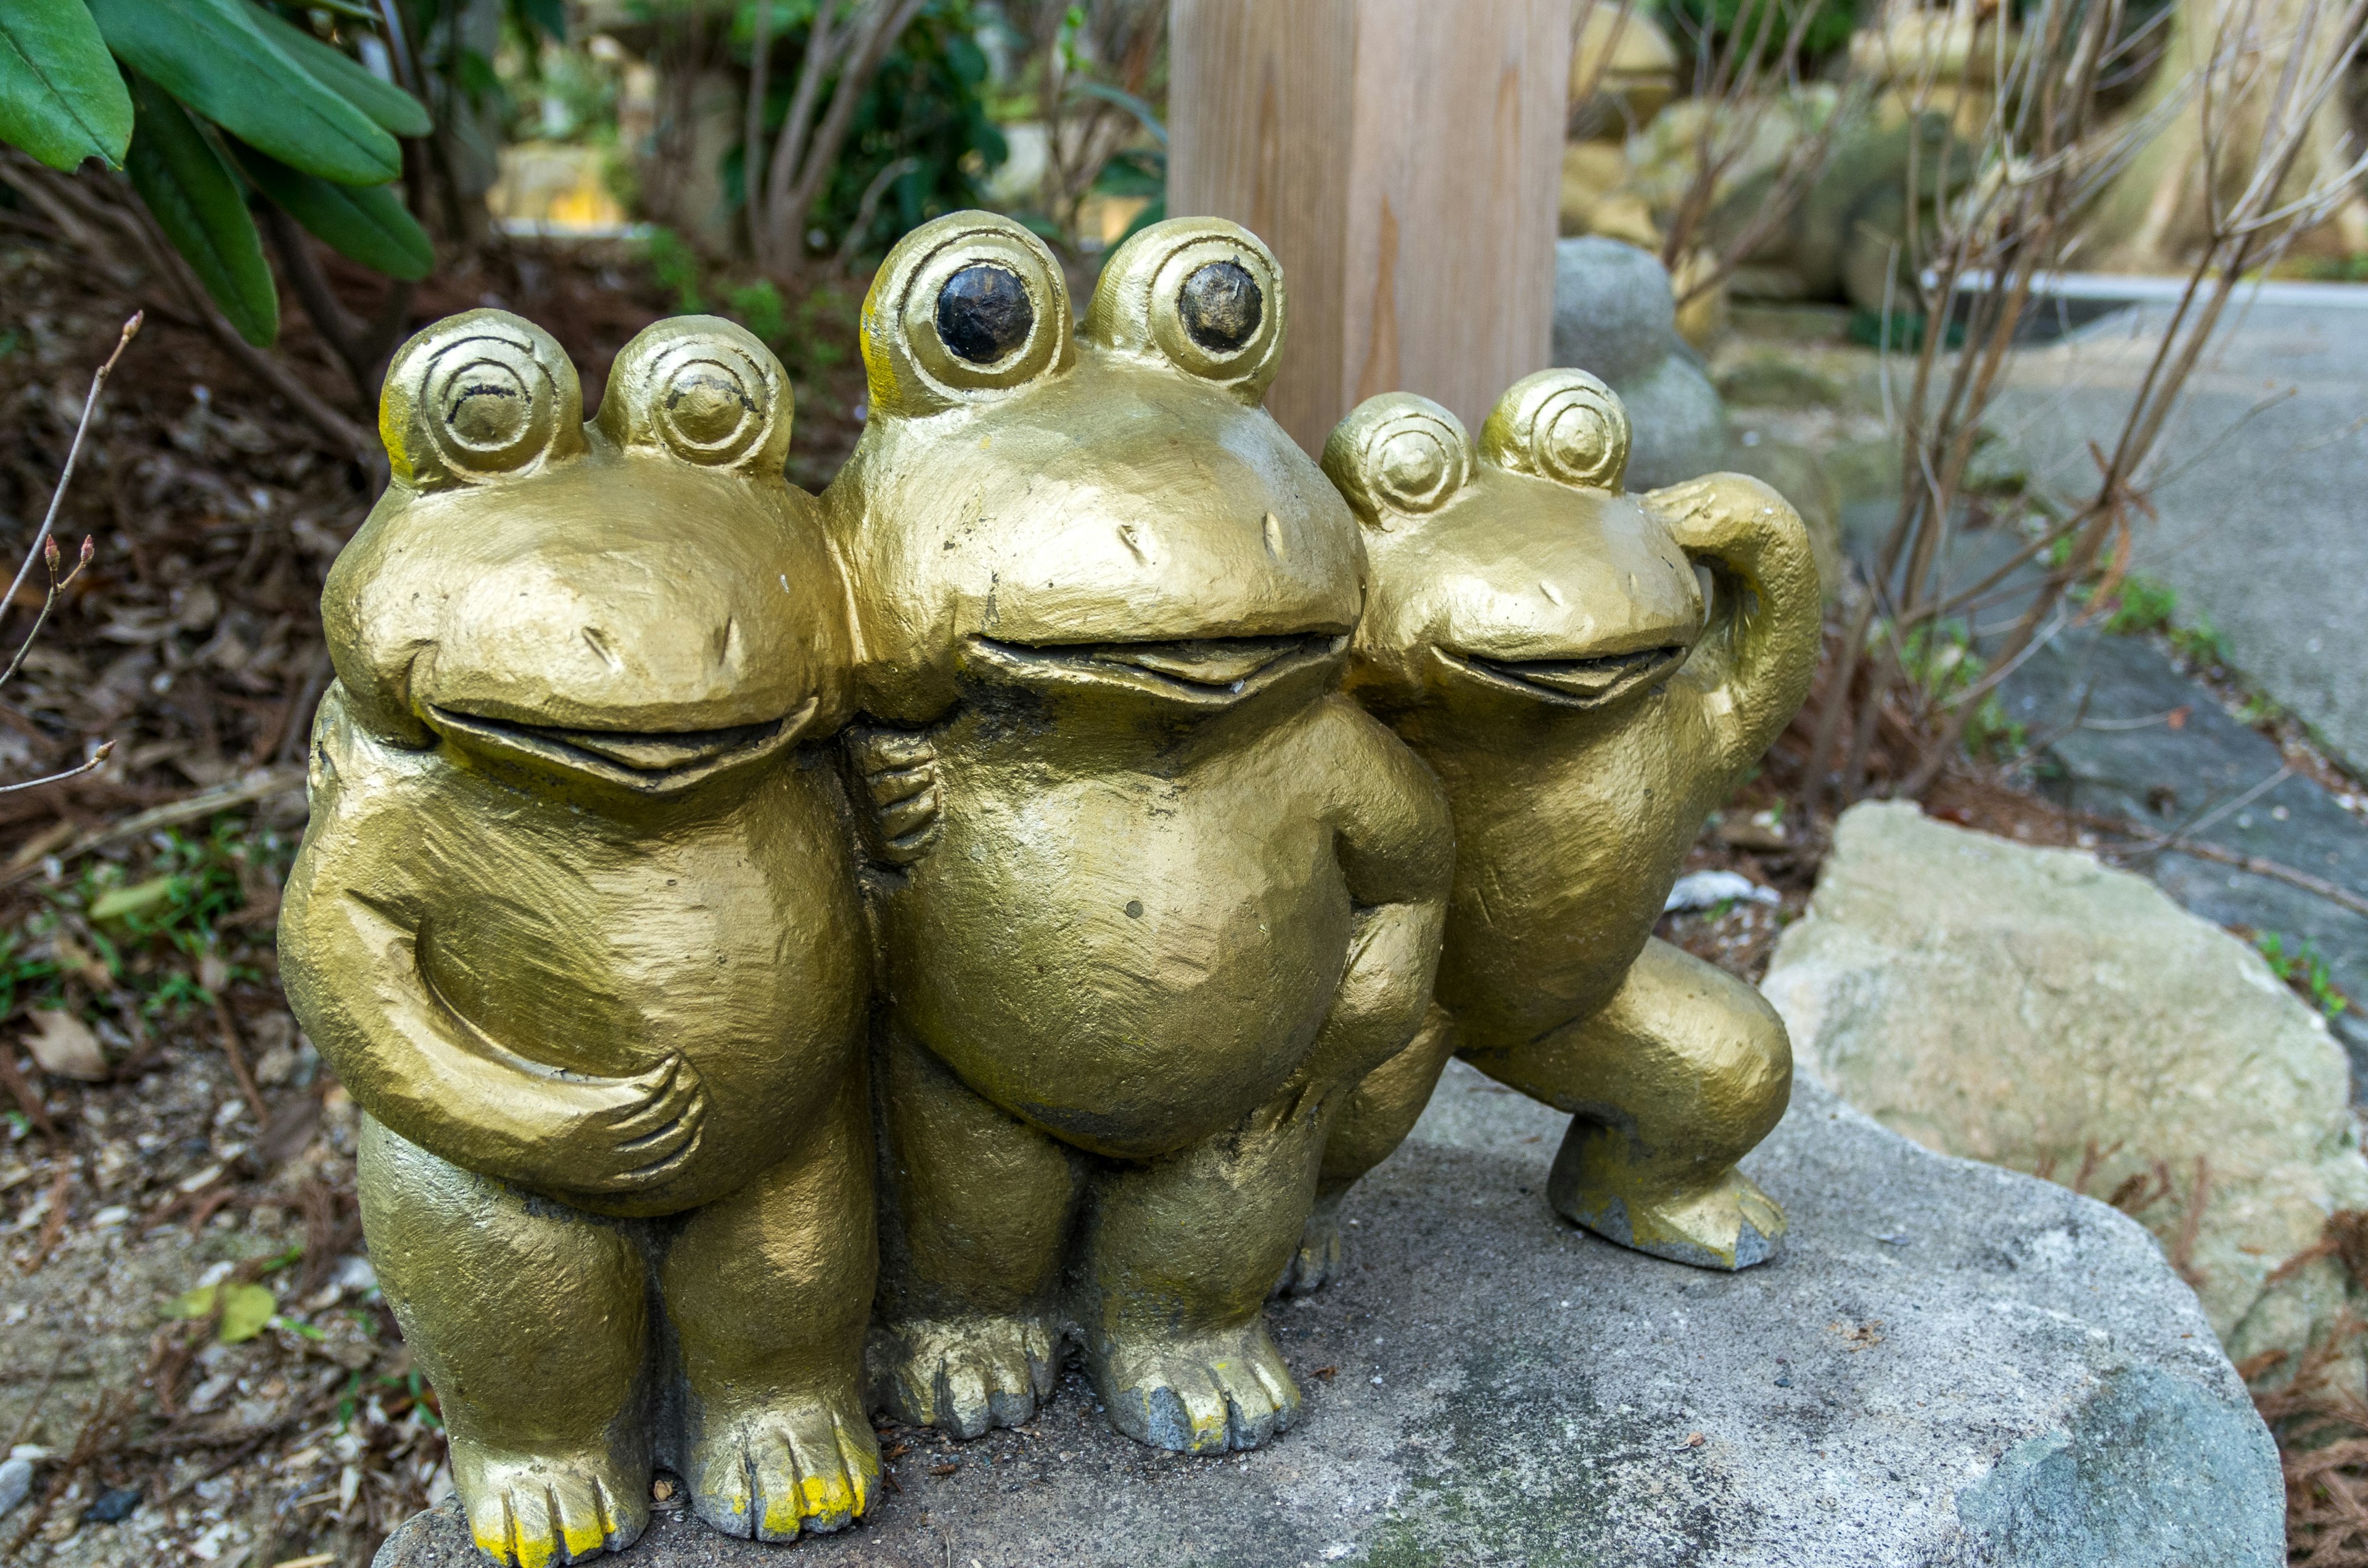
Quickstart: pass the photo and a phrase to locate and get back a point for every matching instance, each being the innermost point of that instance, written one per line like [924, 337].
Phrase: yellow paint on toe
[584, 1541]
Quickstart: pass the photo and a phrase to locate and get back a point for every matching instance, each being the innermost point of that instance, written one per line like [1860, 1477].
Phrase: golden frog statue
[1588, 673]
[576, 921]
[1153, 897]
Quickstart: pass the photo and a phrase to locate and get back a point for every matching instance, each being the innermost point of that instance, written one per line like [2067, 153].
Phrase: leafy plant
[205, 106]
[2300, 965]
[1824, 25]
[2143, 606]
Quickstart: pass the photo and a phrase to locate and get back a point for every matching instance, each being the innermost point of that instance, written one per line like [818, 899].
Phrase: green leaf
[246, 1310]
[197, 200]
[367, 224]
[390, 106]
[196, 1304]
[214, 56]
[61, 99]
[117, 903]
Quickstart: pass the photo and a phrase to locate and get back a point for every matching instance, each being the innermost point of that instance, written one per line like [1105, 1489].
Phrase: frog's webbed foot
[964, 1377]
[782, 1463]
[1731, 1224]
[1317, 1261]
[530, 1510]
[897, 797]
[1198, 1393]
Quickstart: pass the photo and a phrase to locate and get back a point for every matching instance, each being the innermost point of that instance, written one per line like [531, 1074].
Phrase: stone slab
[1953, 1364]
[2256, 484]
[2104, 705]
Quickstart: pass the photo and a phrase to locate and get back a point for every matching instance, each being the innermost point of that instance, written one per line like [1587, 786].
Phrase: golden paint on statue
[1153, 897]
[1588, 673]
[574, 920]
[1175, 765]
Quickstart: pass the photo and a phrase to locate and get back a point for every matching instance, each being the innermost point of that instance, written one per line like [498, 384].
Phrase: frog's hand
[897, 800]
[1396, 847]
[1758, 650]
[352, 965]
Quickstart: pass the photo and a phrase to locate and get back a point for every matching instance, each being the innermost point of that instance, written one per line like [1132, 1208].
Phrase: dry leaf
[64, 1046]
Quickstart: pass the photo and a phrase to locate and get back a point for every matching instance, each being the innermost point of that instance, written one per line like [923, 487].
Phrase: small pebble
[112, 1506]
[16, 1480]
[1783, 1383]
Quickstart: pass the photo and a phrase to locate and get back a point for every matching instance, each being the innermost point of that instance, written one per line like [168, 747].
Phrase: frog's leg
[1369, 1124]
[769, 1290]
[1180, 1252]
[974, 1213]
[530, 1319]
[1681, 1075]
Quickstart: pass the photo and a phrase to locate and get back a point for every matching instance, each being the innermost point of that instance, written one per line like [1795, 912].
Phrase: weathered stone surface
[2104, 706]
[2034, 1008]
[1953, 1365]
[1615, 317]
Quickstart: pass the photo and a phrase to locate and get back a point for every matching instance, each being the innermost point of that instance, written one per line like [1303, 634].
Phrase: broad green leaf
[390, 106]
[61, 99]
[246, 1310]
[117, 903]
[214, 56]
[196, 1304]
[197, 200]
[367, 224]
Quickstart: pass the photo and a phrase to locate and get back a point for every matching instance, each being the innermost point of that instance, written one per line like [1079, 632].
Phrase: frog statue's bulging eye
[968, 309]
[702, 390]
[1397, 456]
[984, 313]
[1560, 424]
[1221, 306]
[478, 397]
[1202, 295]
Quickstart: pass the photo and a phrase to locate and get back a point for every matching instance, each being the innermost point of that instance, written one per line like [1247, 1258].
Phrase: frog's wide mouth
[1572, 683]
[650, 761]
[1206, 671]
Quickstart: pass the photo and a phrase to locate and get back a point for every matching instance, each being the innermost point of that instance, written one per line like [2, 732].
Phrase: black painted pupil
[984, 313]
[1221, 306]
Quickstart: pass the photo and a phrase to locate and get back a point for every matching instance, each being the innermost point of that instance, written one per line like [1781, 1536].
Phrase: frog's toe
[1199, 1394]
[532, 1510]
[1731, 1224]
[787, 1464]
[965, 1377]
[1316, 1261]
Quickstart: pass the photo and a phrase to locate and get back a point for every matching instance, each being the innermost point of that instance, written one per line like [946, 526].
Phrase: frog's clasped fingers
[898, 775]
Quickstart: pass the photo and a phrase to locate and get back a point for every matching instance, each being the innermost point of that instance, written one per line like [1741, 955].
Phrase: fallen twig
[257, 786]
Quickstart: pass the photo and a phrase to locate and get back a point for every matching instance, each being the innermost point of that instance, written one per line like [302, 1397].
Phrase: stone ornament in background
[1137, 911]
[1588, 673]
[574, 923]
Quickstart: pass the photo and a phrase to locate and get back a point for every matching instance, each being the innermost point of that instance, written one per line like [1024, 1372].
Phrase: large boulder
[1951, 1365]
[2033, 1008]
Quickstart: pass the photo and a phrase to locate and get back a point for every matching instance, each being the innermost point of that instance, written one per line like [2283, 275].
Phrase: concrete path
[2261, 481]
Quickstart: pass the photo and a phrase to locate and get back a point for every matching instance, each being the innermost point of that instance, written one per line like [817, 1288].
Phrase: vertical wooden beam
[1402, 158]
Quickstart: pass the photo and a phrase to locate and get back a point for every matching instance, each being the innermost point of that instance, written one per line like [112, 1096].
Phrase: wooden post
[1402, 157]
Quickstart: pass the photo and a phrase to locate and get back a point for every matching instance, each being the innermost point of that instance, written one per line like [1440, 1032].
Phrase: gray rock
[16, 1480]
[1951, 1365]
[1615, 317]
[2033, 1007]
[1613, 313]
[1680, 427]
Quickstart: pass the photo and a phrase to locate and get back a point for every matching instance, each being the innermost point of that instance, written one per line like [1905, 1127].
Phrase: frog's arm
[349, 932]
[1396, 848]
[1758, 652]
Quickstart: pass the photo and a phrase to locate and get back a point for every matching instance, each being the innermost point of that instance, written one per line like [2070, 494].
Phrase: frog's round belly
[1128, 965]
[738, 949]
